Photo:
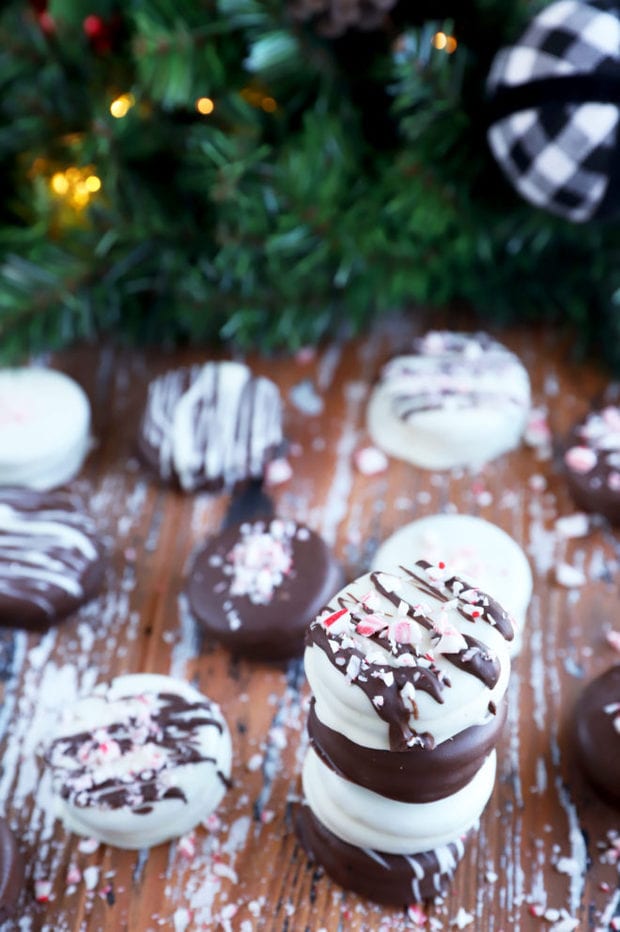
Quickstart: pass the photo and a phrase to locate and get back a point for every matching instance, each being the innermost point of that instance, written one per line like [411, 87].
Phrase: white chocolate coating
[457, 400]
[45, 427]
[361, 682]
[139, 761]
[211, 424]
[471, 547]
[370, 821]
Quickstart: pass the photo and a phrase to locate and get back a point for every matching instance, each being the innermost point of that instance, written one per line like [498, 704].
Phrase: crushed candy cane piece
[569, 576]
[225, 870]
[580, 459]
[417, 915]
[186, 846]
[74, 874]
[42, 890]
[613, 639]
[370, 461]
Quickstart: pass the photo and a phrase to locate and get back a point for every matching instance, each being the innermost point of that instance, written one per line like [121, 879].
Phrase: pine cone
[332, 18]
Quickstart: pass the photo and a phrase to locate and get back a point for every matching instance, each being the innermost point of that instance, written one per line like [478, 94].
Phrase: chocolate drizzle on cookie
[130, 761]
[391, 656]
[456, 370]
[211, 426]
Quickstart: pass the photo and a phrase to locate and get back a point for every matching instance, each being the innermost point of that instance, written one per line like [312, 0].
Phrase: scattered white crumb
[181, 919]
[42, 890]
[220, 869]
[370, 461]
[278, 471]
[88, 845]
[254, 762]
[491, 876]
[575, 525]
[568, 866]
[569, 576]
[462, 919]
[91, 877]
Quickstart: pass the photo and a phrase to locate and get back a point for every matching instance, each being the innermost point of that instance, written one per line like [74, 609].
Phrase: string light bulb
[205, 105]
[121, 105]
[444, 42]
[75, 186]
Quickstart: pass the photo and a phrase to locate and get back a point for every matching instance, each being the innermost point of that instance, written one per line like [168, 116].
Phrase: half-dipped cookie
[256, 585]
[51, 560]
[455, 399]
[139, 761]
[210, 427]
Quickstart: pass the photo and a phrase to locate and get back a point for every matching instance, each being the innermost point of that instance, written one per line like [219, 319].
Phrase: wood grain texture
[544, 841]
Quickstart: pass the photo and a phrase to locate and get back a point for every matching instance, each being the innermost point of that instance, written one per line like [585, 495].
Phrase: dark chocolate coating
[392, 879]
[47, 571]
[597, 740]
[11, 872]
[596, 490]
[274, 630]
[156, 429]
[418, 775]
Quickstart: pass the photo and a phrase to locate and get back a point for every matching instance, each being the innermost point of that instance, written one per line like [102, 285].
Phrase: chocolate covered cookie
[45, 427]
[210, 427]
[473, 548]
[51, 561]
[408, 675]
[11, 872]
[597, 733]
[456, 399]
[592, 460]
[139, 761]
[256, 585]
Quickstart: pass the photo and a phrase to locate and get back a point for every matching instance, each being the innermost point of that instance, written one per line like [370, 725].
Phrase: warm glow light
[93, 184]
[444, 43]
[121, 105]
[268, 104]
[205, 105]
[59, 183]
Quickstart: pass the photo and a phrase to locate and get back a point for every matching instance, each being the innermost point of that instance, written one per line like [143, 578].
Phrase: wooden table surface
[545, 844]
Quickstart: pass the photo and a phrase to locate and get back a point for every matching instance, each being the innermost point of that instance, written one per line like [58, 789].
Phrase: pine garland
[326, 181]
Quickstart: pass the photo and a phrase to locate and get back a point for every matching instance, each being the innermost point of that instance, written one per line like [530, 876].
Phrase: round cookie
[457, 399]
[11, 872]
[473, 548]
[597, 733]
[51, 561]
[139, 761]
[256, 585]
[45, 425]
[592, 460]
[210, 427]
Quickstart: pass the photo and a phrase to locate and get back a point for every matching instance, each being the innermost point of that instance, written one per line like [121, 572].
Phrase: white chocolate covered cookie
[139, 761]
[45, 427]
[471, 547]
[458, 399]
